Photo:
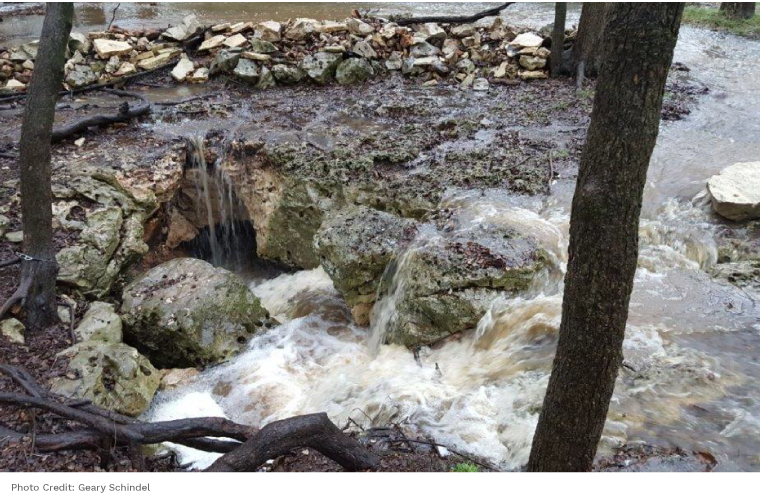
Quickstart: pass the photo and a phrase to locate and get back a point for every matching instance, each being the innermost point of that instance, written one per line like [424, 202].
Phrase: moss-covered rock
[446, 281]
[354, 247]
[113, 376]
[186, 313]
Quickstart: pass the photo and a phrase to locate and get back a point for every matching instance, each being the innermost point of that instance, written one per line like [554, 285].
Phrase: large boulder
[355, 247]
[113, 376]
[447, 279]
[736, 191]
[186, 313]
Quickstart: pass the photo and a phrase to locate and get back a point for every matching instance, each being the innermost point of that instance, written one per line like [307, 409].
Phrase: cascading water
[690, 378]
[225, 241]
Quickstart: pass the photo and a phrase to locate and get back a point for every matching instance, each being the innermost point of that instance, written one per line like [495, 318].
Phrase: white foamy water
[480, 393]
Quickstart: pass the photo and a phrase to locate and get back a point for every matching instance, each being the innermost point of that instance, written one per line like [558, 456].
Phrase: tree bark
[588, 48]
[279, 438]
[38, 275]
[738, 10]
[558, 37]
[603, 249]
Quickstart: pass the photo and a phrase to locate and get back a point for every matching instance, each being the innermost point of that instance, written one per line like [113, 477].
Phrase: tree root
[247, 451]
[453, 19]
[125, 114]
[17, 297]
[312, 430]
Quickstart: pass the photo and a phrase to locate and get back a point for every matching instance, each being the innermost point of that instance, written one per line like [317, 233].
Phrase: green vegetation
[712, 18]
[465, 468]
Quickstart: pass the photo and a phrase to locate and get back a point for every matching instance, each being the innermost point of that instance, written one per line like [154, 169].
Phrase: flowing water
[692, 343]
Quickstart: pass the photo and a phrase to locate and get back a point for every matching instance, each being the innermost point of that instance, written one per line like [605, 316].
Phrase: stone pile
[269, 53]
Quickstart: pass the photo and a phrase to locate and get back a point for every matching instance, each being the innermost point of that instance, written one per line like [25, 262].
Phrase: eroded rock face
[186, 313]
[355, 247]
[113, 376]
[736, 191]
[448, 278]
[107, 198]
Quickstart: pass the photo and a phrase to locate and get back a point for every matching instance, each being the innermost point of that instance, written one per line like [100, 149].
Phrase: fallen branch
[453, 19]
[315, 431]
[125, 114]
[10, 262]
[433, 444]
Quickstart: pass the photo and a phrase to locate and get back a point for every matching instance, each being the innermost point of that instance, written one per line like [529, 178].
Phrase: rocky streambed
[395, 254]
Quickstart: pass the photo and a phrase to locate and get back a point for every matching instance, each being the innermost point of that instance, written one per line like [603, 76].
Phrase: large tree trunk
[558, 37]
[587, 51]
[38, 275]
[738, 10]
[603, 250]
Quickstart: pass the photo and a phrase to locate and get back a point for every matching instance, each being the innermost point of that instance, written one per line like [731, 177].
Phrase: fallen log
[250, 449]
[453, 19]
[126, 113]
[315, 431]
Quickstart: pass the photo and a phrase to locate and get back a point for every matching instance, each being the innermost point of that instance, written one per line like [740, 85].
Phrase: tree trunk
[587, 51]
[38, 275]
[558, 37]
[603, 250]
[738, 10]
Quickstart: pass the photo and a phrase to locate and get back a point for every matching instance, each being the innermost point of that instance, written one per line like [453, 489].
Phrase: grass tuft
[711, 17]
[465, 468]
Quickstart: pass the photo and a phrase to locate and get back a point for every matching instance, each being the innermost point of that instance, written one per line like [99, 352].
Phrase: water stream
[692, 342]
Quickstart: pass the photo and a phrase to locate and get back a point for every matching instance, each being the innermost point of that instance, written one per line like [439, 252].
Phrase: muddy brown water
[693, 341]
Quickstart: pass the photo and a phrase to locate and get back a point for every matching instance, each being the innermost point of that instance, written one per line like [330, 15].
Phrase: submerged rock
[446, 283]
[113, 376]
[186, 313]
[735, 191]
[354, 248]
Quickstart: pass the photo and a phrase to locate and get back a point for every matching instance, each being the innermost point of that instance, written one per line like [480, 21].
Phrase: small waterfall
[228, 239]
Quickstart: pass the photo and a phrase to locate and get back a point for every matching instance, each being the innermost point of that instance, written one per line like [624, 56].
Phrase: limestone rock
[113, 376]
[531, 63]
[735, 191]
[247, 71]
[186, 313]
[464, 30]
[14, 85]
[480, 85]
[355, 247]
[171, 379]
[432, 32]
[100, 323]
[320, 67]
[532, 75]
[301, 28]
[25, 52]
[359, 27]
[15, 237]
[364, 49]
[268, 31]
[331, 27]
[423, 49]
[79, 42]
[353, 70]
[154, 62]
[527, 40]
[13, 330]
[447, 283]
[80, 75]
[199, 76]
[235, 41]
[262, 46]
[185, 30]
[225, 61]
[5, 223]
[126, 68]
[183, 69]
[266, 79]
[106, 48]
[287, 75]
[212, 43]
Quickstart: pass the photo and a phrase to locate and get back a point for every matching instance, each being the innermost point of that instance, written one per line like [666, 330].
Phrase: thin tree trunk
[738, 10]
[558, 37]
[38, 275]
[603, 250]
[587, 51]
